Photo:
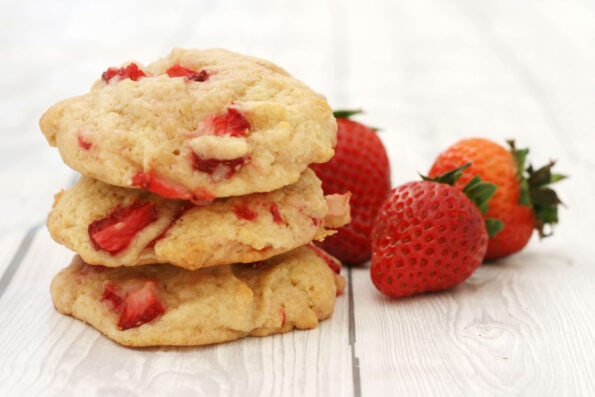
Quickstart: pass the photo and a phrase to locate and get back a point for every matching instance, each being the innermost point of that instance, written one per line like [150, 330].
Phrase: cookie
[114, 226]
[195, 125]
[166, 305]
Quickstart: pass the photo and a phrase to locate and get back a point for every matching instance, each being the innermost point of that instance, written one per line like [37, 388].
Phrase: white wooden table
[428, 73]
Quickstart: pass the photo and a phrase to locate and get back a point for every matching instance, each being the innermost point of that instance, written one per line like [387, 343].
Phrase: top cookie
[195, 125]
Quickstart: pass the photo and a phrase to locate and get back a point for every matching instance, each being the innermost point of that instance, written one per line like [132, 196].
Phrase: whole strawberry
[360, 166]
[428, 236]
[523, 200]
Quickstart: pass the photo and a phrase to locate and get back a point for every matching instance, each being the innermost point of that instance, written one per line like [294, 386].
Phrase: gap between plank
[18, 257]
[357, 390]
[16, 260]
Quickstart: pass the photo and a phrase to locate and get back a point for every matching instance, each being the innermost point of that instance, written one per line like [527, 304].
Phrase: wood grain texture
[45, 352]
[518, 327]
[427, 73]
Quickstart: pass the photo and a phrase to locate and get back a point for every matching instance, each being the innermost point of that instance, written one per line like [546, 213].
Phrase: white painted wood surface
[428, 73]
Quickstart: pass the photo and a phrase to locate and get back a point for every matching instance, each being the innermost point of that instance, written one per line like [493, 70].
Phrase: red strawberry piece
[180, 71]
[276, 214]
[113, 295]
[184, 207]
[137, 302]
[428, 236]
[83, 143]
[168, 189]
[232, 123]
[160, 186]
[333, 263]
[283, 317]
[141, 306]
[130, 71]
[360, 166]
[115, 232]
[523, 200]
[218, 169]
[242, 211]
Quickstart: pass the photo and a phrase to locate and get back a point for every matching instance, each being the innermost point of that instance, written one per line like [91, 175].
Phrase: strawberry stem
[346, 113]
[449, 177]
[535, 190]
[480, 192]
[476, 190]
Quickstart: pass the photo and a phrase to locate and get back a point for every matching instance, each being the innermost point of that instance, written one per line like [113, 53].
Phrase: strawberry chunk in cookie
[115, 232]
[131, 71]
[179, 71]
[137, 302]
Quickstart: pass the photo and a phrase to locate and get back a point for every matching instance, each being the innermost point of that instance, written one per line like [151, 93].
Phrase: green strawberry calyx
[347, 113]
[536, 191]
[478, 191]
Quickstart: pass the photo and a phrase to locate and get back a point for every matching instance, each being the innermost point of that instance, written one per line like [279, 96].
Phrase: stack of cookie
[194, 216]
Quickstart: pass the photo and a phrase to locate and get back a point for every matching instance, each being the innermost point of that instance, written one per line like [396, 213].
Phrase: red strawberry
[232, 123]
[115, 232]
[360, 166]
[179, 71]
[131, 71]
[137, 302]
[523, 200]
[168, 189]
[428, 236]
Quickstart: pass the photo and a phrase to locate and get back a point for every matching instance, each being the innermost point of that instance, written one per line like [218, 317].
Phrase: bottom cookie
[158, 305]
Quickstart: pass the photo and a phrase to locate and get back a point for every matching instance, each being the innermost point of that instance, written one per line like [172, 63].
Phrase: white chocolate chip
[219, 147]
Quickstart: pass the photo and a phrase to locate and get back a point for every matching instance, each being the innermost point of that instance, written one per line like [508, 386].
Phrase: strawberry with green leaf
[524, 200]
[429, 235]
[360, 166]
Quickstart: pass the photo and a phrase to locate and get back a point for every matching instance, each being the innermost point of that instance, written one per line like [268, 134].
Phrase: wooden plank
[443, 72]
[9, 244]
[45, 352]
[520, 326]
